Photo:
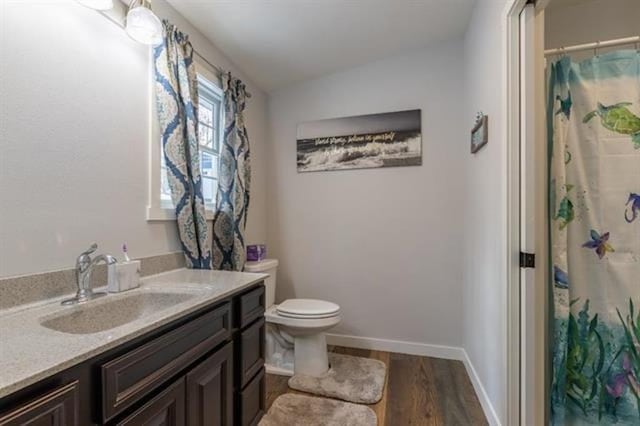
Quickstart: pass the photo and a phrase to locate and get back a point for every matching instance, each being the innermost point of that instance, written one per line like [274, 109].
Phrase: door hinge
[527, 260]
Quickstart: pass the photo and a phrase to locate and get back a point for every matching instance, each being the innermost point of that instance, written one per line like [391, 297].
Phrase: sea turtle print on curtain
[618, 118]
[594, 145]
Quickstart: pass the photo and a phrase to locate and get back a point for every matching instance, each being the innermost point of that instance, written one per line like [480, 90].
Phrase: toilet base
[310, 353]
[278, 371]
[279, 351]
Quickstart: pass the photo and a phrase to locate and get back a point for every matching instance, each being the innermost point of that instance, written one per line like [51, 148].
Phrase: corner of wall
[484, 277]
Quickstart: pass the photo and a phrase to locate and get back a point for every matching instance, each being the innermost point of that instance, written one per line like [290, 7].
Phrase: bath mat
[300, 410]
[350, 378]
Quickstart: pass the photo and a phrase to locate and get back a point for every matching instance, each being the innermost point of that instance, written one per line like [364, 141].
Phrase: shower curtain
[594, 201]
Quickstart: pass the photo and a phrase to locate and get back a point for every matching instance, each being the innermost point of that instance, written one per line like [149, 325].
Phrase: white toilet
[295, 328]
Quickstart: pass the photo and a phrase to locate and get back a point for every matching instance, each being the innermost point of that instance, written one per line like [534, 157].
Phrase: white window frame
[158, 209]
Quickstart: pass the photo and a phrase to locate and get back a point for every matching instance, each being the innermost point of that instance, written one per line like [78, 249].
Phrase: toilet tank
[266, 266]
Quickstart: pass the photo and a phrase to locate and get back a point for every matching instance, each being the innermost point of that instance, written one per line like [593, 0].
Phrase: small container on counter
[123, 276]
[256, 252]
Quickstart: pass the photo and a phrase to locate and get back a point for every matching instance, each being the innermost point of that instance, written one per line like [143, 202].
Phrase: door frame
[526, 304]
[511, 107]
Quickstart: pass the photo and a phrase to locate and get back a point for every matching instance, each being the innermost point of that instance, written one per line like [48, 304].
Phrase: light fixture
[142, 24]
[97, 4]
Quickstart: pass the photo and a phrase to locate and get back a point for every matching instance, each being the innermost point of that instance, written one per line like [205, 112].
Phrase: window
[210, 128]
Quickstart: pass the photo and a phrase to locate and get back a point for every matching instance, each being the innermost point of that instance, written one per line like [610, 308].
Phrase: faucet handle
[93, 247]
[83, 260]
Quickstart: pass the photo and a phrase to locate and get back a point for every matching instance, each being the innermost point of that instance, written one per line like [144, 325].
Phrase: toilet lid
[307, 308]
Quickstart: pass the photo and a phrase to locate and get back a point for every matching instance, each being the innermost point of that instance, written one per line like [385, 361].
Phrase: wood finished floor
[420, 391]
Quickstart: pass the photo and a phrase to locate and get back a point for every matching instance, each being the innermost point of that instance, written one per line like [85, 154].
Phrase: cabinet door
[56, 408]
[166, 409]
[210, 390]
[252, 401]
[251, 358]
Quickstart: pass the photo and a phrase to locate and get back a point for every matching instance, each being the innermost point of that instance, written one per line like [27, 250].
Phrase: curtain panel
[177, 107]
[232, 200]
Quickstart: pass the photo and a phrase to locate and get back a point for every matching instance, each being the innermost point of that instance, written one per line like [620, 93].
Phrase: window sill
[160, 214]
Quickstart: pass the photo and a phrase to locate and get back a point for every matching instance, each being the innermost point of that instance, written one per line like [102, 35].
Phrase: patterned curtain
[594, 126]
[232, 201]
[177, 104]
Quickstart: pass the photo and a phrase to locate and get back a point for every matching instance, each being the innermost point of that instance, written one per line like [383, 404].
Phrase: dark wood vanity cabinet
[204, 369]
[249, 357]
[58, 407]
[129, 377]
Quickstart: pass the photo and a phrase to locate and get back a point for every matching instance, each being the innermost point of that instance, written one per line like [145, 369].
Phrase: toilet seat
[274, 317]
[307, 309]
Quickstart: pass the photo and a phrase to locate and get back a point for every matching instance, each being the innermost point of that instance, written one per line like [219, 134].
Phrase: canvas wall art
[361, 142]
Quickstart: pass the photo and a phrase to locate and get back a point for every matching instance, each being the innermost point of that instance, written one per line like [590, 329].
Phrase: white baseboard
[422, 349]
[397, 346]
[485, 402]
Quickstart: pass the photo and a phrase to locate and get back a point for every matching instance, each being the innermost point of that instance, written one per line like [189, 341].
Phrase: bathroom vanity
[187, 348]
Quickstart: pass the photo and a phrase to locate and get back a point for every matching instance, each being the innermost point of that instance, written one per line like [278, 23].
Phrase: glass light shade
[143, 25]
[97, 4]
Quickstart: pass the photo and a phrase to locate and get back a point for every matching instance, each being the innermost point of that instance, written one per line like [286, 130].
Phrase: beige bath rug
[350, 378]
[300, 410]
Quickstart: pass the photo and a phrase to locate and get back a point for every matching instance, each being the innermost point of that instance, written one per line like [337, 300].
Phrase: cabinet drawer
[251, 306]
[251, 401]
[251, 351]
[168, 408]
[58, 407]
[133, 375]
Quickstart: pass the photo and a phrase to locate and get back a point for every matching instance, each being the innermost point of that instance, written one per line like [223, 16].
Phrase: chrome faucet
[84, 269]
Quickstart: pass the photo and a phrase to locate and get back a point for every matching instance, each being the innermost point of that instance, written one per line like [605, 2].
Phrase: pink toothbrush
[124, 251]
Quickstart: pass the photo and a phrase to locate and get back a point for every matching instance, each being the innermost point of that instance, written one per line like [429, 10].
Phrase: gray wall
[484, 268]
[569, 23]
[385, 244]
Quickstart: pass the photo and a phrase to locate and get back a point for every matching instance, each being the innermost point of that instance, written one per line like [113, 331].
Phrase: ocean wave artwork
[360, 142]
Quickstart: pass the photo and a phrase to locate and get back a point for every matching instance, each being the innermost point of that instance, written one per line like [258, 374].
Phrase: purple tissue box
[256, 252]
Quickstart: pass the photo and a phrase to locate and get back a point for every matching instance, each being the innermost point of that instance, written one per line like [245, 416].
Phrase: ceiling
[280, 42]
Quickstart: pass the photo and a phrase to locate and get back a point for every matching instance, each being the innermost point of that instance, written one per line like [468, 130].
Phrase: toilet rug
[300, 410]
[350, 378]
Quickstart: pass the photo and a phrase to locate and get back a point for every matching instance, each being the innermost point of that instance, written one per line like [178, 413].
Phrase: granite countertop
[30, 352]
